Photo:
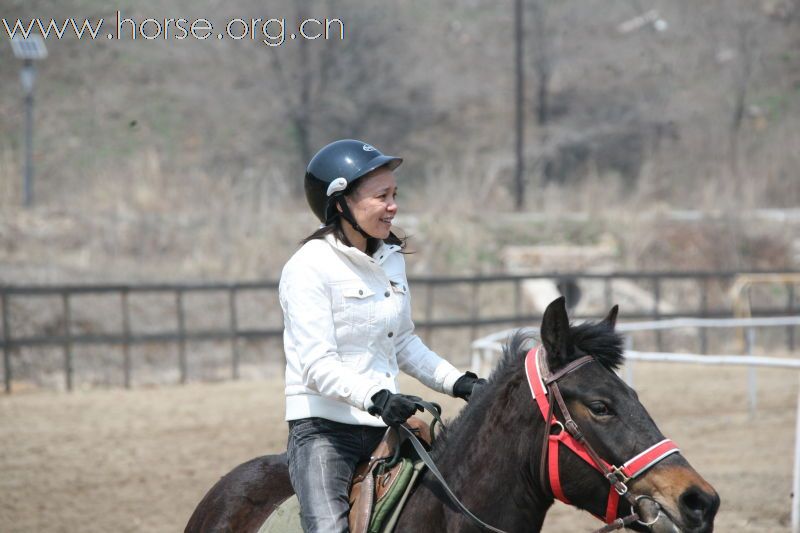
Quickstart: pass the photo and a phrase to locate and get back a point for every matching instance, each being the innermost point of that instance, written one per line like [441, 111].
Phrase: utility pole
[28, 49]
[519, 175]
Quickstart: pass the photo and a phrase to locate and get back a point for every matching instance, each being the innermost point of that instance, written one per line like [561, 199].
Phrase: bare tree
[351, 87]
[519, 90]
[742, 77]
[543, 58]
[542, 54]
[300, 76]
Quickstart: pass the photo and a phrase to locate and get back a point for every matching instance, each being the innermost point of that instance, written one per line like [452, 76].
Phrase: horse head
[669, 495]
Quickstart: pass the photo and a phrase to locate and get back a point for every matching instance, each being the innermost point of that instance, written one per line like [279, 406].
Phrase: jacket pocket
[358, 307]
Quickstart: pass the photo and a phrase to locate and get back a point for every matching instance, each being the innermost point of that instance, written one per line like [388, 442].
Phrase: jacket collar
[379, 257]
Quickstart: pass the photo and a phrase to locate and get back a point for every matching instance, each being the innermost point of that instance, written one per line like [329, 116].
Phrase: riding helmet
[337, 166]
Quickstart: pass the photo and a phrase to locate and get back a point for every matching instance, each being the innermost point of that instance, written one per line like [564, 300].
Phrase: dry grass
[152, 172]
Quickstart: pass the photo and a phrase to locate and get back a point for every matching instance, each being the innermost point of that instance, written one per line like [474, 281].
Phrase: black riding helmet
[335, 168]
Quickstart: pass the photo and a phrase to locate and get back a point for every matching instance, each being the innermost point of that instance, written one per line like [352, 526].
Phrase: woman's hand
[464, 385]
[394, 409]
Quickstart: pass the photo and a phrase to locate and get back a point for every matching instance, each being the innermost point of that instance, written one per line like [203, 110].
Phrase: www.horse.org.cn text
[270, 31]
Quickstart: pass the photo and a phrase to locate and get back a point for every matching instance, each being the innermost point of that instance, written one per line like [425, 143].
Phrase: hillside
[169, 158]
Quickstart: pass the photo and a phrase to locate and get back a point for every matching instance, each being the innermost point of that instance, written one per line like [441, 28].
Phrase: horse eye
[599, 409]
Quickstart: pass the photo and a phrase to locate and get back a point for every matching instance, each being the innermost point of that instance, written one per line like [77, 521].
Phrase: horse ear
[555, 334]
[611, 318]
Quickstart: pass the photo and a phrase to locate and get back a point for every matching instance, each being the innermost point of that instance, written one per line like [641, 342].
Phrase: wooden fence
[467, 291]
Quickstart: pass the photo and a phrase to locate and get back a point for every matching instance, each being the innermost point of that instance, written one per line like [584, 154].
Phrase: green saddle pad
[285, 519]
[385, 507]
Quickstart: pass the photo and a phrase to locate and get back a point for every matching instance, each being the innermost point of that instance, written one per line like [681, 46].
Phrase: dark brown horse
[490, 454]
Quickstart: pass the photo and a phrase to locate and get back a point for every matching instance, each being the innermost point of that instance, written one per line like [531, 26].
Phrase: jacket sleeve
[308, 320]
[419, 361]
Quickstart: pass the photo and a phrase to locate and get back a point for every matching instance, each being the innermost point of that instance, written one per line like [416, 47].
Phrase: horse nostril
[699, 507]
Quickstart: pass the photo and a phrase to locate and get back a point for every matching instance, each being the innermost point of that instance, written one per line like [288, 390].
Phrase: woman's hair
[335, 227]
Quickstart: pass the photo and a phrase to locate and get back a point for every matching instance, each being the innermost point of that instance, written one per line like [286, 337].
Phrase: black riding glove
[394, 409]
[464, 385]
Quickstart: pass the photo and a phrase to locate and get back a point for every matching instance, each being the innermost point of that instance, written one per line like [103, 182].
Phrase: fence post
[67, 340]
[181, 335]
[704, 314]
[428, 314]
[629, 362]
[752, 378]
[657, 311]
[789, 309]
[607, 292]
[517, 301]
[474, 311]
[796, 474]
[126, 338]
[6, 342]
[475, 360]
[233, 323]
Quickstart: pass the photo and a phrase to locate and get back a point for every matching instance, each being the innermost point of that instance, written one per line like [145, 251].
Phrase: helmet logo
[339, 184]
[368, 148]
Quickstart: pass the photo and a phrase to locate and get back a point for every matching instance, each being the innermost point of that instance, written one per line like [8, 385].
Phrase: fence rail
[232, 331]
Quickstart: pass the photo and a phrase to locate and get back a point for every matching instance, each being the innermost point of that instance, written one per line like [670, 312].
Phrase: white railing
[484, 349]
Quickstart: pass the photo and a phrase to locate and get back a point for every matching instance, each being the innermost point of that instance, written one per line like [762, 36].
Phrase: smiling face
[373, 203]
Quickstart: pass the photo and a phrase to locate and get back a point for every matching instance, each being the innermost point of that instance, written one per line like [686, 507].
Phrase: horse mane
[597, 339]
[590, 338]
[600, 341]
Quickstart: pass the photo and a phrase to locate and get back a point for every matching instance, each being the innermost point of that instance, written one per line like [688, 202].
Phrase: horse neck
[487, 462]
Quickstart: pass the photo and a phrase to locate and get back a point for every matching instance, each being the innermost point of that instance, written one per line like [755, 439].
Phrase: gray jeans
[323, 456]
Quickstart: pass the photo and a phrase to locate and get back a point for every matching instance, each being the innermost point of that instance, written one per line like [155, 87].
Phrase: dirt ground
[140, 460]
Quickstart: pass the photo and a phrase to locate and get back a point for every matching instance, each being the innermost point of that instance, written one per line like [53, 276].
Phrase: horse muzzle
[675, 499]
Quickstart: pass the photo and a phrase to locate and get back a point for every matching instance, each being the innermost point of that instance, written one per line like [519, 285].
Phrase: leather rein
[544, 385]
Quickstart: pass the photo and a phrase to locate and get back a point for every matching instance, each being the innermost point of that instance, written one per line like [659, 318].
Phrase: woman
[348, 331]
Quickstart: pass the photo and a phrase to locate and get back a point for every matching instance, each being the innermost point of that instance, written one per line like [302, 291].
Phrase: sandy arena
[140, 460]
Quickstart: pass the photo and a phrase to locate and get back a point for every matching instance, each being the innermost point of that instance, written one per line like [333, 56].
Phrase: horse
[496, 458]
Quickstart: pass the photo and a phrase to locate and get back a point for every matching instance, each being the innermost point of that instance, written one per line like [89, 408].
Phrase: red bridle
[573, 439]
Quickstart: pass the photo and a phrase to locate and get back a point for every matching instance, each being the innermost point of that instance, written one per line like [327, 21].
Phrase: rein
[544, 385]
[405, 432]
[428, 460]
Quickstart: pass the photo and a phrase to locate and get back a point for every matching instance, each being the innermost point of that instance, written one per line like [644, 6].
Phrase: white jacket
[347, 331]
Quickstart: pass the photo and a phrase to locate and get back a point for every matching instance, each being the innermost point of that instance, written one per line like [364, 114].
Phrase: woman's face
[373, 203]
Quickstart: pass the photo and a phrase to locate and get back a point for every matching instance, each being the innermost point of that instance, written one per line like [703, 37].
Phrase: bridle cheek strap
[552, 467]
[555, 478]
[629, 470]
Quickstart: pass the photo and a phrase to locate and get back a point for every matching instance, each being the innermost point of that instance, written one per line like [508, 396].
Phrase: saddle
[381, 485]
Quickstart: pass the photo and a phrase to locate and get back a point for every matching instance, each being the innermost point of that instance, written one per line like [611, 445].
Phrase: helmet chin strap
[346, 214]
